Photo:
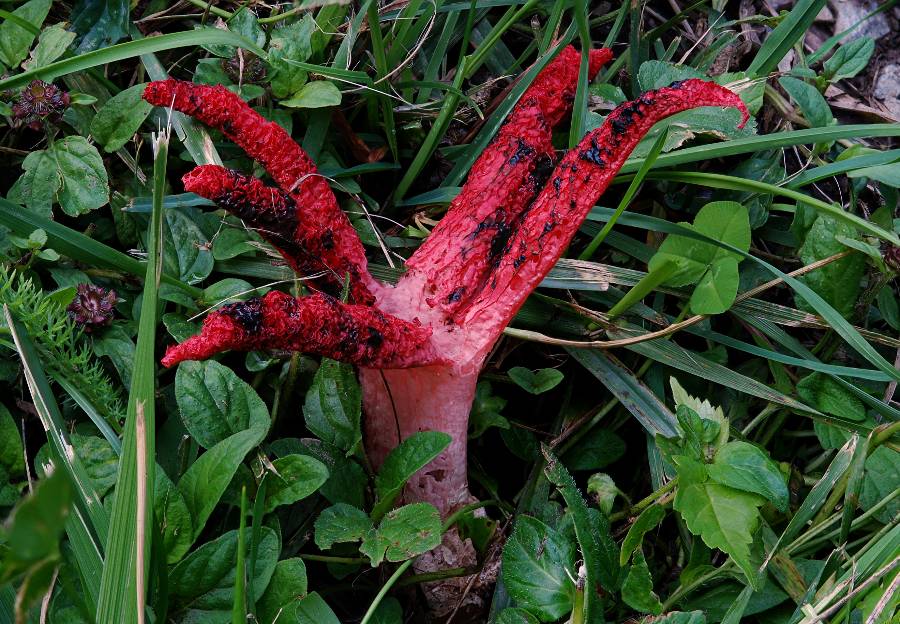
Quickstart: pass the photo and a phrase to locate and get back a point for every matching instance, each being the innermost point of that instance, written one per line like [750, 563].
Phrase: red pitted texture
[574, 187]
[322, 228]
[317, 324]
[472, 236]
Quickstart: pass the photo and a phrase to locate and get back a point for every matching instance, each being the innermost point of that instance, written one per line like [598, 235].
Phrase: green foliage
[535, 382]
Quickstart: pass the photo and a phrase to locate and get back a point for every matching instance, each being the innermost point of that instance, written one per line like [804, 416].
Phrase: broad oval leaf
[745, 467]
[121, 116]
[410, 456]
[295, 478]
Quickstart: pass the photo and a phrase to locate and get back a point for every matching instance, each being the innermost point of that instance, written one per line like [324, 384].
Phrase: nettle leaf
[723, 517]
[704, 409]
[15, 40]
[811, 103]
[333, 406]
[70, 172]
[214, 403]
[410, 456]
[637, 590]
[536, 382]
[341, 523]
[121, 116]
[290, 43]
[742, 466]
[646, 522]
[202, 585]
[537, 562]
[404, 533]
[287, 587]
[849, 59]
[713, 268]
[295, 477]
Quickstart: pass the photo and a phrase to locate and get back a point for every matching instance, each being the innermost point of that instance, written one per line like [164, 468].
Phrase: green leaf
[637, 590]
[839, 282]
[84, 185]
[244, 23]
[724, 517]
[16, 40]
[882, 476]
[743, 466]
[410, 456]
[290, 43]
[316, 94]
[215, 403]
[486, 410]
[646, 522]
[811, 103]
[188, 252]
[341, 523]
[596, 450]
[202, 585]
[827, 395]
[173, 517]
[116, 344]
[403, 533]
[227, 290]
[295, 477]
[52, 43]
[514, 615]
[536, 382]
[656, 74]
[886, 174]
[286, 588]
[100, 24]
[713, 267]
[314, 610]
[347, 481]
[537, 562]
[849, 59]
[677, 617]
[36, 188]
[333, 406]
[203, 484]
[100, 461]
[789, 31]
[389, 611]
[36, 525]
[121, 116]
[12, 454]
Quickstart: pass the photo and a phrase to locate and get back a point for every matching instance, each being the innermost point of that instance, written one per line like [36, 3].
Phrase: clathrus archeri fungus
[421, 344]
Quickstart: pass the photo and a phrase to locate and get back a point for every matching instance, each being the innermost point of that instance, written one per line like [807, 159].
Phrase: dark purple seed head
[92, 307]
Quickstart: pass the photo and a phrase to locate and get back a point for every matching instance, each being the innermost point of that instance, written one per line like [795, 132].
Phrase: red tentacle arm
[317, 324]
[575, 185]
[454, 261]
[322, 229]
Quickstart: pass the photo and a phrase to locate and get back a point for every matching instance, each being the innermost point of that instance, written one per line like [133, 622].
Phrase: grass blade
[123, 587]
[779, 42]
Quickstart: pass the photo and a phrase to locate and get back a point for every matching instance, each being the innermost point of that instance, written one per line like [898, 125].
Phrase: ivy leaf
[536, 382]
[637, 590]
[537, 561]
[121, 116]
[295, 477]
[333, 406]
[742, 466]
[341, 523]
[724, 517]
[410, 456]
[403, 533]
